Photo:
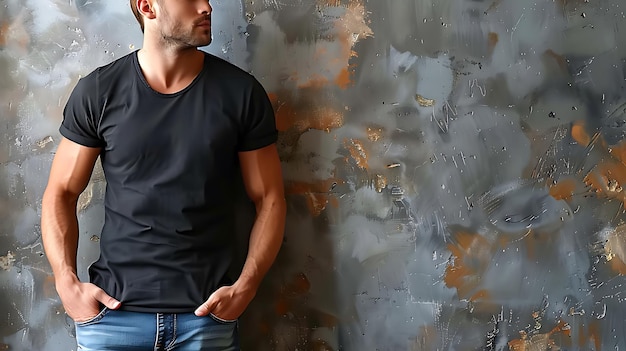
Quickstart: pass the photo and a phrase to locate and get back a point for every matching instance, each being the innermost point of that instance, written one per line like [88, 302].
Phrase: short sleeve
[259, 123]
[80, 115]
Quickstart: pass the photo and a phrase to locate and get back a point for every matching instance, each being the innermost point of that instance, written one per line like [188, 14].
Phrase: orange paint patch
[580, 134]
[285, 114]
[315, 81]
[375, 132]
[333, 201]
[273, 98]
[563, 328]
[322, 118]
[503, 241]
[425, 102]
[300, 284]
[560, 60]
[539, 341]
[317, 203]
[305, 118]
[471, 256]
[492, 39]
[316, 194]
[357, 152]
[618, 266]
[351, 28]
[343, 79]
[595, 334]
[4, 30]
[480, 295]
[619, 152]
[532, 241]
[282, 306]
[347, 30]
[581, 335]
[608, 179]
[563, 190]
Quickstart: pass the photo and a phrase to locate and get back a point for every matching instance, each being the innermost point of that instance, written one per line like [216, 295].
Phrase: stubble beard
[181, 38]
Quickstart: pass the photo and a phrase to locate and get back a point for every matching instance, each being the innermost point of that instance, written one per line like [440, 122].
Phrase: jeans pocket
[93, 320]
[222, 321]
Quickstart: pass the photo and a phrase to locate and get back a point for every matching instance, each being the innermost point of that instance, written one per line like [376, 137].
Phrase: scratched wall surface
[454, 168]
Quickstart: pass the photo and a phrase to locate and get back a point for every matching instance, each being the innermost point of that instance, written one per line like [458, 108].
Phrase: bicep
[261, 173]
[72, 167]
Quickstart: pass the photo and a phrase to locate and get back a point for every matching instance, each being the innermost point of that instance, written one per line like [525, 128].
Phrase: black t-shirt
[170, 161]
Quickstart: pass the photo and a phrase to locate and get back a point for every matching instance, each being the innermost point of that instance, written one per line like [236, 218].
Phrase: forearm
[265, 240]
[59, 228]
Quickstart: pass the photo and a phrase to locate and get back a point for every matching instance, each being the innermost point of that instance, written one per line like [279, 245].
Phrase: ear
[146, 8]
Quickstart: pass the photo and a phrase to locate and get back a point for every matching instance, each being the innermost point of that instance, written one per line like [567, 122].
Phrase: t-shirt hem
[156, 310]
[78, 138]
[259, 143]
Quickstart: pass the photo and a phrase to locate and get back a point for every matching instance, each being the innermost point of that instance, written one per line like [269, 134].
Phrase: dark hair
[138, 16]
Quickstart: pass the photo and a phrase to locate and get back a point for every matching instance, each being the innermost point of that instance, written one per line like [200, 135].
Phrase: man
[171, 125]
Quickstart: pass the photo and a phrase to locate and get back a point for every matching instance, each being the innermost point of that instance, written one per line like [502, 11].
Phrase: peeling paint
[357, 152]
[470, 257]
[424, 102]
[375, 132]
[45, 141]
[6, 262]
[539, 342]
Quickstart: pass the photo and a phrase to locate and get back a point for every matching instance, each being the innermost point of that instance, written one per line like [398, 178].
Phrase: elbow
[54, 196]
[272, 202]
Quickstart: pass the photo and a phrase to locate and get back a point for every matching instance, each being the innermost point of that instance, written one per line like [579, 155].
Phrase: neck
[168, 69]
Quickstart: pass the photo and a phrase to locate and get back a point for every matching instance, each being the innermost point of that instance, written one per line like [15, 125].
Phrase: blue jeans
[114, 330]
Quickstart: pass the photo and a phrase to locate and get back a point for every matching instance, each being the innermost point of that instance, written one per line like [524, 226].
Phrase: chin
[203, 43]
[203, 40]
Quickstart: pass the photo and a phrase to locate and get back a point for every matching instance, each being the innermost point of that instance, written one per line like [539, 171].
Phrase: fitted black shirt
[169, 161]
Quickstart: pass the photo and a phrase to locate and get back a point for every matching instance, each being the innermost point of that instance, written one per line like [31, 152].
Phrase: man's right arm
[69, 175]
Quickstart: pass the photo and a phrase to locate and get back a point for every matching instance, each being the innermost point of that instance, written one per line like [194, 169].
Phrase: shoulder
[104, 75]
[228, 71]
[115, 69]
[234, 80]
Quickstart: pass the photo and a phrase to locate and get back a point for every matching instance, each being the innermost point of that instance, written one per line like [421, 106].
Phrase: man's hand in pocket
[82, 300]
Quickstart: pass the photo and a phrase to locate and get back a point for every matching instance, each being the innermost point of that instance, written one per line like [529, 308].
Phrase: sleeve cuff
[79, 139]
[259, 143]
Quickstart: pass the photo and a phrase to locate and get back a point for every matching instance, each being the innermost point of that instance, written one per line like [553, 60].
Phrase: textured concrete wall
[454, 168]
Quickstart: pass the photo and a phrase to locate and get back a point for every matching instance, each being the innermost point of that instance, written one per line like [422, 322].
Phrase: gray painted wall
[454, 168]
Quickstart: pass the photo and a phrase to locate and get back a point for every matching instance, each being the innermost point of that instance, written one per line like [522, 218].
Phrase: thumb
[206, 307]
[107, 300]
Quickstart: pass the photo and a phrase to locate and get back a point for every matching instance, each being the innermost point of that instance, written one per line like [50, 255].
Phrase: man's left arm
[263, 180]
